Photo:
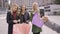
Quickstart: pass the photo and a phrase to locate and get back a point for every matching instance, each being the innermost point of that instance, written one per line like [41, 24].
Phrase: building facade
[3, 3]
[28, 3]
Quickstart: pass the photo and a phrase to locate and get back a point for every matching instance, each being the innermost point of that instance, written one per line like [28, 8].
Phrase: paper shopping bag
[21, 29]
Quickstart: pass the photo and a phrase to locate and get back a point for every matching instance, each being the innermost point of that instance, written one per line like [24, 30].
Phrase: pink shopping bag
[21, 28]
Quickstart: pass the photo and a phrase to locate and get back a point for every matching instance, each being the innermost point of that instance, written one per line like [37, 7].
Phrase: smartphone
[42, 12]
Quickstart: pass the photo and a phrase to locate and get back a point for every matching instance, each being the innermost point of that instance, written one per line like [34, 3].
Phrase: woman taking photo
[37, 20]
[12, 18]
[35, 29]
[35, 10]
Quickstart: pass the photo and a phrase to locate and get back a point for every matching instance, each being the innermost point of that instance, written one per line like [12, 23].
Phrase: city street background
[50, 7]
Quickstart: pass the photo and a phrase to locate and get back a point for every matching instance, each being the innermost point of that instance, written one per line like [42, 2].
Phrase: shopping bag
[37, 21]
[21, 28]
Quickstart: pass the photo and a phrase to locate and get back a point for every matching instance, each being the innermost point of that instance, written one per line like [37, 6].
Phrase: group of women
[22, 17]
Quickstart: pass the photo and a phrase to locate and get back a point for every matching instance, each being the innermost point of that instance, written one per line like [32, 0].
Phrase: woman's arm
[28, 17]
[45, 19]
[9, 21]
[31, 15]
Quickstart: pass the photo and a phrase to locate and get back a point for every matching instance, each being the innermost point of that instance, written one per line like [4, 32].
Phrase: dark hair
[21, 9]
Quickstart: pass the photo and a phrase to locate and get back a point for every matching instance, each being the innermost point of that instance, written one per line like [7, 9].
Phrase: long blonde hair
[11, 9]
[35, 3]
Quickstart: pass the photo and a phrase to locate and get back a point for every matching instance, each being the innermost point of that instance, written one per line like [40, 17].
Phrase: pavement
[46, 29]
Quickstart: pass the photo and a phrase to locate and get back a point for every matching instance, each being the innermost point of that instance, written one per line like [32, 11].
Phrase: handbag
[37, 21]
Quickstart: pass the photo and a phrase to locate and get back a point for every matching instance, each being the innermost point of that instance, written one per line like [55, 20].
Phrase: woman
[12, 18]
[35, 29]
[24, 20]
[24, 15]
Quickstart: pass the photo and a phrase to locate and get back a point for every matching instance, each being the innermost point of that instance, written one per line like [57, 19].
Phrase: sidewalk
[4, 27]
[45, 30]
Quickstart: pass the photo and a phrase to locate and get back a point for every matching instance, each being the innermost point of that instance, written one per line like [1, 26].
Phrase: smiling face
[23, 8]
[14, 8]
[35, 7]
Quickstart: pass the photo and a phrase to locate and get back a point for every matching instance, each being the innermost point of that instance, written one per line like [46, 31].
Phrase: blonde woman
[35, 11]
[12, 18]
[35, 29]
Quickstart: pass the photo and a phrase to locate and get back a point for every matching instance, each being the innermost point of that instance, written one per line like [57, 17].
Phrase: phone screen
[42, 12]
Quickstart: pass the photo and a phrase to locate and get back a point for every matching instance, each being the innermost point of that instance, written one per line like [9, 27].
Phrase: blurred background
[51, 9]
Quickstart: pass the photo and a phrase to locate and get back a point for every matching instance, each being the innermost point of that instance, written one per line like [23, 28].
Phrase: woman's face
[23, 8]
[14, 8]
[34, 7]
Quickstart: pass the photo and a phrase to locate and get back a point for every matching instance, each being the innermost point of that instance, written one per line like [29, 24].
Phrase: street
[4, 27]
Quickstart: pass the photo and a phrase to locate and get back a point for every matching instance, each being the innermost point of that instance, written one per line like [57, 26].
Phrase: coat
[24, 18]
[10, 19]
[35, 29]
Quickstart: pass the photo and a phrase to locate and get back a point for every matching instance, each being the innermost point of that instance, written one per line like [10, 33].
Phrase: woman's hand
[15, 21]
[45, 19]
[18, 20]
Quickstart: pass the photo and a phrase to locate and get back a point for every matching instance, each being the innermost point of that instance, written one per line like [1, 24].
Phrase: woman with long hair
[37, 19]
[12, 17]
[35, 10]
[24, 20]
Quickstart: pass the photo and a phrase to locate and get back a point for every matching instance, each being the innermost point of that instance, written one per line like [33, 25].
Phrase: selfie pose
[37, 20]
